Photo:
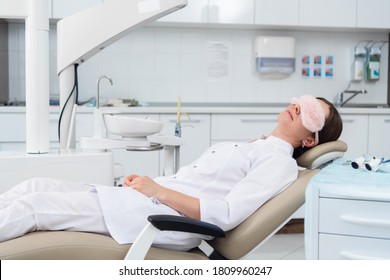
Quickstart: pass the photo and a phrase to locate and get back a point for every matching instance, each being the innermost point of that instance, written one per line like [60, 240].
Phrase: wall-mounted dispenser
[358, 66]
[275, 56]
[373, 64]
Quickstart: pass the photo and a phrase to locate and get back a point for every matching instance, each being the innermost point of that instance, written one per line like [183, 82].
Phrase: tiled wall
[161, 63]
[3, 62]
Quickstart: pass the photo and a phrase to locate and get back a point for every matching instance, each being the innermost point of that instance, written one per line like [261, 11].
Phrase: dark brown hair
[331, 130]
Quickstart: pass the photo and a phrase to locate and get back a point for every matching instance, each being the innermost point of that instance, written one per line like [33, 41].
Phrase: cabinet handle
[186, 121]
[349, 121]
[387, 120]
[258, 120]
[365, 221]
[354, 256]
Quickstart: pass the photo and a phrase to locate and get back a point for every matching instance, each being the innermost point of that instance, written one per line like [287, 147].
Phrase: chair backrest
[275, 212]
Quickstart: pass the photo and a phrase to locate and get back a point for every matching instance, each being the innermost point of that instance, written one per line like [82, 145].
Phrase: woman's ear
[309, 142]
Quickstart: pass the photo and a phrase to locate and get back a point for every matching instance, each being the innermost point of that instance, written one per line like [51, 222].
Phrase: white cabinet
[356, 229]
[241, 127]
[373, 13]
[232, 11]
[214, 11]
[330, 13]
[277, 12]
[310, 13]
[195, 133]
[196, 11]
[348, 220]
[84, 127]
[379, 136]
[13, 135]
[13, 126]
[355, 129]
[63, 8]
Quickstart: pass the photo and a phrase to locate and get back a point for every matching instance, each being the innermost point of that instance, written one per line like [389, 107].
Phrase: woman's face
[291, 121]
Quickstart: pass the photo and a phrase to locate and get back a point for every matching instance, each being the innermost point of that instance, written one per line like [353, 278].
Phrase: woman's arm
[185, 204]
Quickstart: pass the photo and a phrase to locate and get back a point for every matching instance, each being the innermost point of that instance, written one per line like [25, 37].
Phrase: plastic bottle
[373, 64]
[358, 64]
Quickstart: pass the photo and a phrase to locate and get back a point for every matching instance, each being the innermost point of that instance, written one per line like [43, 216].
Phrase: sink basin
[131, 127]
[366, 105]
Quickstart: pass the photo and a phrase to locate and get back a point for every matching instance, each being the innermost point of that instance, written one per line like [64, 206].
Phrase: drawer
[242, 127]
[13, 127]
[336, 247]
[354, 217]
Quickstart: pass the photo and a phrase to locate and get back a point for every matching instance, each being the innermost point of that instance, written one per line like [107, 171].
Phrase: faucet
[98, 89]
[340, 97]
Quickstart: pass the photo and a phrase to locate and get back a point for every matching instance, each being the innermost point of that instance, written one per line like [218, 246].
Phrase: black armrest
[185, 224]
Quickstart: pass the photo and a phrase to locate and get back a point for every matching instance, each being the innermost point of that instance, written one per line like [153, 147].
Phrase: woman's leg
[40, 185]
[77, 211]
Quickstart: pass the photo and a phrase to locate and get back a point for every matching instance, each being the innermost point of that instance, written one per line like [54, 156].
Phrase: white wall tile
[193, 91]
[192, 67]
[166, 91]
[192, 41]
[167, 41]
[218, 91]
[243, 68]
[243, 91]
[141, 66]
[161, 63]
[167, 67]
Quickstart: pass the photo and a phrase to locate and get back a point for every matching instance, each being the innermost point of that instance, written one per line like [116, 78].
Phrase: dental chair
[234, 244]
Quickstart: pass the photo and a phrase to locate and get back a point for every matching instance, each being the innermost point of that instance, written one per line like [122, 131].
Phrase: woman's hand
[182, 203]
[143, 184]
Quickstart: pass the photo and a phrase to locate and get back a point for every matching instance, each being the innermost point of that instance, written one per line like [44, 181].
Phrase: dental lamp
[82, 35]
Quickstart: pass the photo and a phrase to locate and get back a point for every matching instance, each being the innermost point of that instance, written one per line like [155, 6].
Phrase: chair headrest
[321, 154]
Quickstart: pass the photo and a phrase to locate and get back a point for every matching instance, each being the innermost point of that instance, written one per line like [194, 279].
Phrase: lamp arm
[84, 34]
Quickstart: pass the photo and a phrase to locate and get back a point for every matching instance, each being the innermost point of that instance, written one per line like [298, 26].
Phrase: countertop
[203, 108]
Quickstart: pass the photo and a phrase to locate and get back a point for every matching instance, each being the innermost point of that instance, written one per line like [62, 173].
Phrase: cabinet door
[64, 8]
[373, 13]
[232, 11]
[84, 127]
[195, 133]
[196, 11]
[379, 135]
[225, 127]
[355, 132]
[277, 12]
[13, 126]
[330, 13]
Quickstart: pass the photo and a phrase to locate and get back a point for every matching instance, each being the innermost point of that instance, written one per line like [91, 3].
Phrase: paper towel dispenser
[275, 56]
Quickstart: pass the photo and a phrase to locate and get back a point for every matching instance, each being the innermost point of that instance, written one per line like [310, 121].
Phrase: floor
[280, 247]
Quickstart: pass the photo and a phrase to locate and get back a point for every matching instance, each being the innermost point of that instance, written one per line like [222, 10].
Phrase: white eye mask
[312, 113]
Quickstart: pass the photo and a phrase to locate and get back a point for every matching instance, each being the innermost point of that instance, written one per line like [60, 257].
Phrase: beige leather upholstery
[237, 243]
[67, 245]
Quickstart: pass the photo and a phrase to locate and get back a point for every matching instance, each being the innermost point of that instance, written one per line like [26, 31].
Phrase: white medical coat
[231, 180]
